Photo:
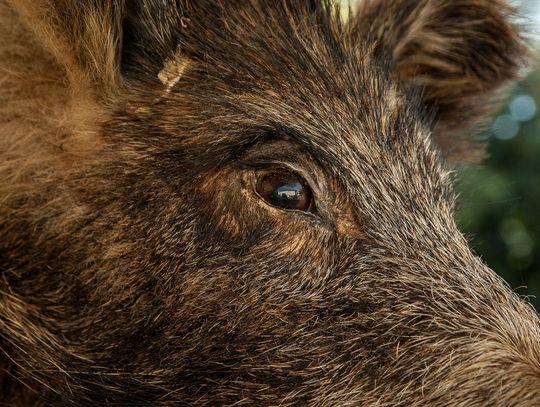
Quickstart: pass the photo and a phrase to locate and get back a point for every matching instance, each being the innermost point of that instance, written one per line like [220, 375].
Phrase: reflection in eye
[286, 190]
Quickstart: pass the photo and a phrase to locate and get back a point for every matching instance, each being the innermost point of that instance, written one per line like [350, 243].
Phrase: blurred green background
[500, 199]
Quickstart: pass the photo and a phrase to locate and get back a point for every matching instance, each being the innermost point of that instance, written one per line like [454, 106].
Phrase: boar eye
[286, 190]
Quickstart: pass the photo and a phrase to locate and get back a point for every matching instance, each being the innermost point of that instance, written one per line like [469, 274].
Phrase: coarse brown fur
[140, 268]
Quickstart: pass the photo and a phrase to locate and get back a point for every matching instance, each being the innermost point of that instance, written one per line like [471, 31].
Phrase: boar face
[246, 203]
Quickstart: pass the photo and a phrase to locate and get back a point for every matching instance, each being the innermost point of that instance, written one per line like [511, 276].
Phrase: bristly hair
[141, 265]
[238, 34]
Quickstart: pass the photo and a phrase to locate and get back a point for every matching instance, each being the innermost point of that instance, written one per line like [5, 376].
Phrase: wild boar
[250, 203]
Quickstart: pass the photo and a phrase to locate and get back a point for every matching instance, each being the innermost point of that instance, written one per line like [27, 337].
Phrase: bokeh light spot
[523, 108]
[505, 127]
[517, 238]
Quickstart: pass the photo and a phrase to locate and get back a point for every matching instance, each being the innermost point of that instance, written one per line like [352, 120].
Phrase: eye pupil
[285, 190]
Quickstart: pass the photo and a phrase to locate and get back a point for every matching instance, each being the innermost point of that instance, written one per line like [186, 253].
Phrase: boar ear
[83, 36]
[460, 52]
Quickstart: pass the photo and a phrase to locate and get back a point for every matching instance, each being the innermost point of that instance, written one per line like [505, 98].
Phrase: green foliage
[500, 199]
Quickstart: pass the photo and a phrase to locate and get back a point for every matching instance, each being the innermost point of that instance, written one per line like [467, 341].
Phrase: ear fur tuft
[460, 52]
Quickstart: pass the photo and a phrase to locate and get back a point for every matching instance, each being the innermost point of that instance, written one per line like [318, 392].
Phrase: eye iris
[285, 190]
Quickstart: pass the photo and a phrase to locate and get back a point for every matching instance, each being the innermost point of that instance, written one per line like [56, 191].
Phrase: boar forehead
[317, 85]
